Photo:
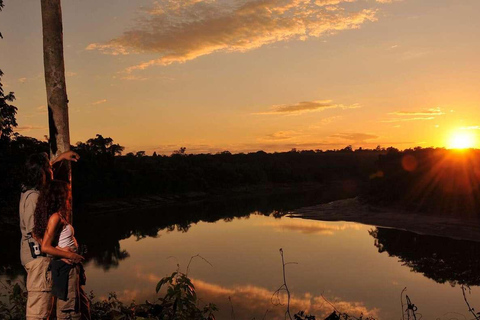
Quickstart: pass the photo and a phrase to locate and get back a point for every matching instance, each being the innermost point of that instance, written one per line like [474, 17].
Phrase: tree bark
[54, 65]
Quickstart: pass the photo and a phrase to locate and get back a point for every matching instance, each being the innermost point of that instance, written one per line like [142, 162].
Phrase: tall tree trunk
[54, 65]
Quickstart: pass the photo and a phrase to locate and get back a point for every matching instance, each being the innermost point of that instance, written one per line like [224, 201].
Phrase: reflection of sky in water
[336, 259]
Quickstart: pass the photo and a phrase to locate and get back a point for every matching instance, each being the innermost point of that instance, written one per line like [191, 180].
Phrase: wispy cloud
[99, 102]
[22, 80]
[131, 77]
[415, 115]
[428, 112]
[282, 135]
[251, 299]
[355, 137]
[28, 128]
[408, 119]
[179, 31]
[471, 128]
[310, 227]
[307, 106]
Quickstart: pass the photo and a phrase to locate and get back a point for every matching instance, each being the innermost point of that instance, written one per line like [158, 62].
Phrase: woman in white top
[52, 224]
[37, 173]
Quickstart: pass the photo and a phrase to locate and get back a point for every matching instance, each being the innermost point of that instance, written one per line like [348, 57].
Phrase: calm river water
[358, 268]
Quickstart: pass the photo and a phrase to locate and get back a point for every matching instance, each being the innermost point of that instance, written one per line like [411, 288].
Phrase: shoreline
[352, 210]
[193, 198]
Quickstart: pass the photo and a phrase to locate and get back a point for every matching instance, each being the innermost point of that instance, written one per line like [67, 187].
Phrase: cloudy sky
[245, 75]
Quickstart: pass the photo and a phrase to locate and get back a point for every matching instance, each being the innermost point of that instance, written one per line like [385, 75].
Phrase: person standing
[38, 173]
[53, 225]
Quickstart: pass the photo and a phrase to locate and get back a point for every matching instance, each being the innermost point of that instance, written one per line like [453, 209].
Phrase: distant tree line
[103, 173]
[433, 180]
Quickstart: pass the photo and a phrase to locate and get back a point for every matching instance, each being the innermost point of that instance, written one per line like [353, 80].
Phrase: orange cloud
[310, 227]
[355, 137]
[250, 300]
[307, 106]
[179, 31]
[28, 128]
[429, 112]
[408, 119]
[99, 102]
[281, 135]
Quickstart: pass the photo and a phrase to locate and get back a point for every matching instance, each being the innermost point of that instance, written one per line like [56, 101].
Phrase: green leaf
[160, 284]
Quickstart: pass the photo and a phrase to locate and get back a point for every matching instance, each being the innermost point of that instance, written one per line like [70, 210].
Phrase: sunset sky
[248, 75]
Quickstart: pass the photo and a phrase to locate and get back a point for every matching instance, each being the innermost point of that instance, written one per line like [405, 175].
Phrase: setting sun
[461, 140]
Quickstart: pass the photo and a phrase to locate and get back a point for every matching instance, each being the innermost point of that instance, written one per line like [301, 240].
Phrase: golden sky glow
[244, 75]
[462, 140]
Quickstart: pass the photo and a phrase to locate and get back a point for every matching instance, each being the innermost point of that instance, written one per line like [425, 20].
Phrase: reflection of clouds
[250, 300]
[127, 295]
[310, 227]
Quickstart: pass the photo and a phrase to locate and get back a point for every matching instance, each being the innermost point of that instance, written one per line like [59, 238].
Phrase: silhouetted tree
[101, 146]
[180, 151]
[427, 179]
[1, 8]
[7, 111]
[54, 66]
[439, 258]
[7, 114]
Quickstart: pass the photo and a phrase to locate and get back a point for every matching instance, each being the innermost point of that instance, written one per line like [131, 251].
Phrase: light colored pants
[39, 288]
[77, 305]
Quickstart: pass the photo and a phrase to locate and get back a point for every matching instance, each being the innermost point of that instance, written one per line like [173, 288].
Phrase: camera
[36, 249]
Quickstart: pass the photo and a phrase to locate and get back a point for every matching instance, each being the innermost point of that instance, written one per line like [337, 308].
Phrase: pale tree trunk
[57, 100]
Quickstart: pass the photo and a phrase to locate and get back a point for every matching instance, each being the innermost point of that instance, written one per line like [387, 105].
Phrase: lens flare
[462, 140]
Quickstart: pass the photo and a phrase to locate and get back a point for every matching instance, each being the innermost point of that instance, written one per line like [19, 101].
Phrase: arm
[53, 224]
[67, 155]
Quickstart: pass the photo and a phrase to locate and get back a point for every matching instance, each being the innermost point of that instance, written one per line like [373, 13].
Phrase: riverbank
[464, 228]
[320, 193]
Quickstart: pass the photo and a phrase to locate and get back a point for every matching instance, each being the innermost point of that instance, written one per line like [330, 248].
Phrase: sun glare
[461, 140]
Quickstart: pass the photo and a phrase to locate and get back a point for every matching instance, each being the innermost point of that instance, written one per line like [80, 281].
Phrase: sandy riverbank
[355, 211]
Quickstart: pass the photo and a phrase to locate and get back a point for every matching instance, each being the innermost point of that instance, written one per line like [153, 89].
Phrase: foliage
[179, 303]
[7, 111]
[180, 300]
[428, 179]
[111, 308]
[7, 114]
[16, 295]
[333, 316]
[442, 259]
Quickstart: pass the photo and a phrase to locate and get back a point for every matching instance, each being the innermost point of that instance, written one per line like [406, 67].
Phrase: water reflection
[441, 259]
[310, 226]
[251, 300]
[102, 233]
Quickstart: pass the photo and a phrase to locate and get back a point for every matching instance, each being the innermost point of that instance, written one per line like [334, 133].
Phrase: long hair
[54, 198]
[36, 174]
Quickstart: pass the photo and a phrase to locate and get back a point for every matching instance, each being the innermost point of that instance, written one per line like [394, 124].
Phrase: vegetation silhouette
[441, 259]
[430, 180]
